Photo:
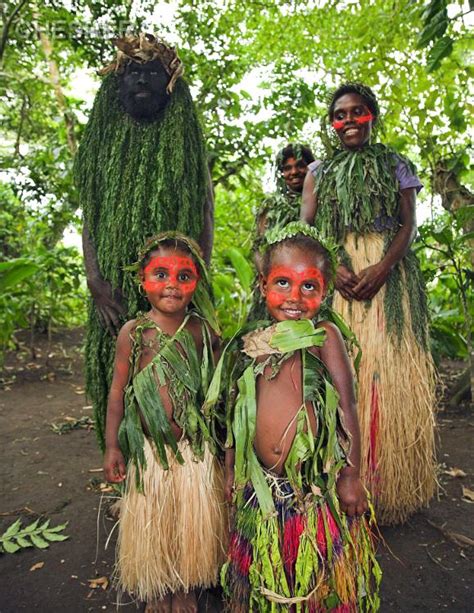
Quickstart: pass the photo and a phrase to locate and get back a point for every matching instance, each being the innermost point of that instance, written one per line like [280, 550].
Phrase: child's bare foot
[159, 606]
[184, 603]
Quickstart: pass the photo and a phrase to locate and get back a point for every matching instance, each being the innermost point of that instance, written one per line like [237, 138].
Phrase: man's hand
[109, 304]
[114, 465]
[345, 282]
[371, 279]
[351, 494]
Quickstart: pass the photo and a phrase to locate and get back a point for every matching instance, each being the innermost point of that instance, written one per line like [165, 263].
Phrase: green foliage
[41, 287]
[446, 251]
[37, 535]
[259, 72]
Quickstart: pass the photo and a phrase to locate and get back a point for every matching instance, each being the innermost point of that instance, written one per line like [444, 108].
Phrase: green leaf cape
[134, 180]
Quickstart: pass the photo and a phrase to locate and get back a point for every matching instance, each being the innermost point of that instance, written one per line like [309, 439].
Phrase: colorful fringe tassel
[310, 562]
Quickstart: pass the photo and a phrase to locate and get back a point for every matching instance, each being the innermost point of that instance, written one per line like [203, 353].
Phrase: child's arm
[114, 464]
[229, 474]
[333, 353]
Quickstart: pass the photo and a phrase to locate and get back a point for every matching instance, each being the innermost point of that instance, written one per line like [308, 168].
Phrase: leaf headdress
[142, 49]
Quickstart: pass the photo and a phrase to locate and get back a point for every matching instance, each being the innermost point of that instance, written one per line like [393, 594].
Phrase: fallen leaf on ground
[454, 472]
[37, 566]
[105, 487]
[102, 582]
[95, 470]
[467, 494]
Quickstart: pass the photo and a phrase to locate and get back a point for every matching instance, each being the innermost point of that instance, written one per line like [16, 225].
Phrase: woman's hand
[345, 282]
[351, 494]
[371, 279]
[114, 465]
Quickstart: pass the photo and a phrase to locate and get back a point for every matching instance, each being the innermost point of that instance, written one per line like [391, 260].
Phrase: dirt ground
[427, 563]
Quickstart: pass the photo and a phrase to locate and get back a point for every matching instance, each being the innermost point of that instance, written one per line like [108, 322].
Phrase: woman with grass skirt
[364, 198]
[300, 541]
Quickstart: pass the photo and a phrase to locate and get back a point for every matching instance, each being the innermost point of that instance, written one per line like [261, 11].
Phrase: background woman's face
[348, 111]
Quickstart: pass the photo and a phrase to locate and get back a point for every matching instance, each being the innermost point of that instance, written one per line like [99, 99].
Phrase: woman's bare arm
[309, 202]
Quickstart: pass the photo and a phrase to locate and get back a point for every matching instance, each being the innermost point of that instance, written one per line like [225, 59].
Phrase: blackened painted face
[142, 90]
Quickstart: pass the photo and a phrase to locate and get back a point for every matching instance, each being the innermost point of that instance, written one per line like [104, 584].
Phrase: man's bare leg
[159, 606]
[184, 602]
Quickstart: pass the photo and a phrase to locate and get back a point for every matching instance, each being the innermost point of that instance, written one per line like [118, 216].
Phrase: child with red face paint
[171, 527]
[300, 540]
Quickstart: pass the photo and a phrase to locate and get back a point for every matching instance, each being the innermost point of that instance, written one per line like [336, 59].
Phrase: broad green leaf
[38, 541]
[9, 546]
[12, 530]
[441, 49]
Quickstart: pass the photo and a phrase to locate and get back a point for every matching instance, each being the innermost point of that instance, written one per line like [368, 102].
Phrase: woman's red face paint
[170, 281]
[294, 292]
[339, 124]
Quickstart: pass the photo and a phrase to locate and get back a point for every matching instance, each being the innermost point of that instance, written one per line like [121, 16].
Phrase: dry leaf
[79, 392]
[95, 470]
[37, 566]
[105, 487]
[102, 582]
[454, 472]
[467, 494]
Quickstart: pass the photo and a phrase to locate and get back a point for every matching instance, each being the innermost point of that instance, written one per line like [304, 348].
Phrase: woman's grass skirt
[396, 398]
[172, 536]
[308, 557]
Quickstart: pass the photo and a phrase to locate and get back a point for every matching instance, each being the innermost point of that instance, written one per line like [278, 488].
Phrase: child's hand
[114, 465]
[351, 494]
[228, 484]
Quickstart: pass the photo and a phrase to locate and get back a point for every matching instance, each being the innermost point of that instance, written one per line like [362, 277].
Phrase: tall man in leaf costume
[364, 198]
[141, 168]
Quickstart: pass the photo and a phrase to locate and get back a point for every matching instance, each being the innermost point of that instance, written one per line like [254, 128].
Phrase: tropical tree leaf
[441, 49]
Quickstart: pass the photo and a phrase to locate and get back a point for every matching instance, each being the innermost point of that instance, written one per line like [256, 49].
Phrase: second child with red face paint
[300, 539]
[172, 526]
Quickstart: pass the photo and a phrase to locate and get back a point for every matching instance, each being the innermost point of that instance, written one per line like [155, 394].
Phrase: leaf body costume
[172, 527]
[358, 206]
[134, 180]
[291, 545]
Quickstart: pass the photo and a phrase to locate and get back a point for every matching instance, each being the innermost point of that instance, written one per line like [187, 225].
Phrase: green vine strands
[354, 188]
[135, 180]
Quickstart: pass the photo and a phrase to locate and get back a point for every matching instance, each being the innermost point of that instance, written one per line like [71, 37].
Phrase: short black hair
[307, 244]
[362, 90]
[153, 244]
[294, 150]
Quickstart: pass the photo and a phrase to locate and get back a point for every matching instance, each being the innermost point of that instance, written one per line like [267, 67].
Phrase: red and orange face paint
[309, 300]
[178, 272]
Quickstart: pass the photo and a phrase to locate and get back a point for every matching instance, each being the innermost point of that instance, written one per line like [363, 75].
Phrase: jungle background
[260, 74]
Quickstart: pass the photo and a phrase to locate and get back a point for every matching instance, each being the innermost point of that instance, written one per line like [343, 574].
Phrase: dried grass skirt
[173, 536]
[396, 399]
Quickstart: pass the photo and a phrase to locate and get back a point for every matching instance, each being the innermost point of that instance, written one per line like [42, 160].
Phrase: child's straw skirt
[173, 536]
